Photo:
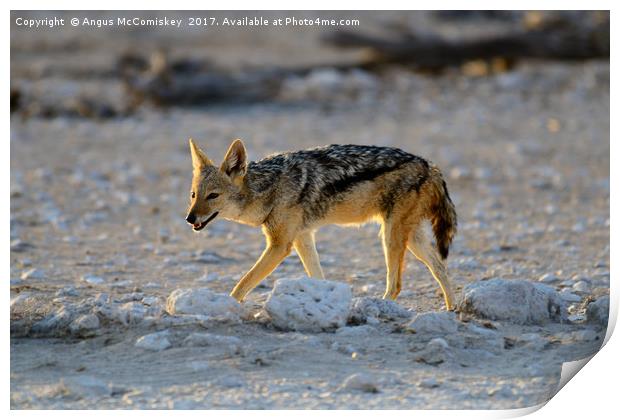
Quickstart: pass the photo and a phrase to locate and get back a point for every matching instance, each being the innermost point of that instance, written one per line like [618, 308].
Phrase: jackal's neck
[252, 205]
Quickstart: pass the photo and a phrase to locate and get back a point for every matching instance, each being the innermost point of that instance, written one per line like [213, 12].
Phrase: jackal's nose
[191, 218]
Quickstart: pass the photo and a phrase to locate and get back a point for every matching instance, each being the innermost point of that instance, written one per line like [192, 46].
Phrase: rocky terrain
[117, 303]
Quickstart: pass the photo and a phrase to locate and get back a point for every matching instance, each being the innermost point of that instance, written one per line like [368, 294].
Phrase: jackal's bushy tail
[442, 213]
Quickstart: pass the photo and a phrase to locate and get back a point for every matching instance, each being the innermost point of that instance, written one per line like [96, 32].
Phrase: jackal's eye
[212, 196]
[193, 194]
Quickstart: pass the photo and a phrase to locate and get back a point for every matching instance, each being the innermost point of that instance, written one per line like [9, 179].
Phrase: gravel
[92, 279]
[598, 311]
[85, 325]
[154, 342]
[434, 323]
[436, 352]
[374, 310]
[360, 382]
[33, 274]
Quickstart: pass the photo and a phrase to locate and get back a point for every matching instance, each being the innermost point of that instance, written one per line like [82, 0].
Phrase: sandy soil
[526, 157]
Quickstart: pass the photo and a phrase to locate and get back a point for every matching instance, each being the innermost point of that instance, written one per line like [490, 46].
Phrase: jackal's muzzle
[199, 225]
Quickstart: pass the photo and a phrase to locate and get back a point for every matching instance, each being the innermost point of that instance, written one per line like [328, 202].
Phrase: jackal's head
[215, 190]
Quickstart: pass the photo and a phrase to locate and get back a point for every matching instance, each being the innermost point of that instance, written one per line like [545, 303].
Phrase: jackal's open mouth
[201, 225]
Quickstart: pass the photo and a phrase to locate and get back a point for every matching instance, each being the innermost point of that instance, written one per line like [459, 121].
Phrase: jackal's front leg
[271, 258]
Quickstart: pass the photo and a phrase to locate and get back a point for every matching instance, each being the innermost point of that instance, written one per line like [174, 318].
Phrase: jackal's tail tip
[443, 215]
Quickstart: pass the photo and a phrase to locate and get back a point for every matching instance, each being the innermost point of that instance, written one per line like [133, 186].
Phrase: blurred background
[102, 70]
[512, 106]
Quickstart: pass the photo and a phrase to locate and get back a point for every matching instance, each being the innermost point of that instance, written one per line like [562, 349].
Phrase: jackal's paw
[450, 307]
[390, 295]
[237, 296]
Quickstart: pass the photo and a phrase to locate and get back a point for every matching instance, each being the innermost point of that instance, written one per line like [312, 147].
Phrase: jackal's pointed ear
[199, 159]
[235, 161]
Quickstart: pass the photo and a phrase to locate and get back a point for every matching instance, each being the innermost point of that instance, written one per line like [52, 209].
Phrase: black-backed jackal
[292, 194]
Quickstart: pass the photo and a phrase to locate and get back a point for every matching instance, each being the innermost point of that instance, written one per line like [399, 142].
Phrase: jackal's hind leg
[420, 245]
[306, 249]
[394, 246]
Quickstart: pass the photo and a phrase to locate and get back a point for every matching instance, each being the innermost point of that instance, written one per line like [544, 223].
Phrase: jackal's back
[318, 178]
